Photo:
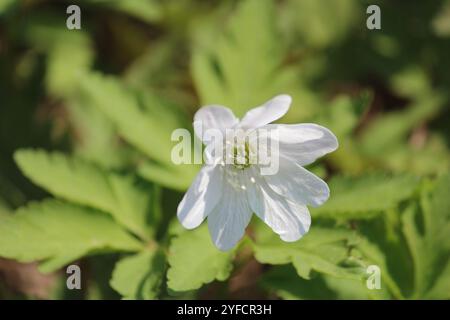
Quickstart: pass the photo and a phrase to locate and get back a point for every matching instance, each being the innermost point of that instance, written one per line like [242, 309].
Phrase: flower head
[253, 166]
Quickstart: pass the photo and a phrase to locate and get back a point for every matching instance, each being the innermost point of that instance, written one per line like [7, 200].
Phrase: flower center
[241, 155]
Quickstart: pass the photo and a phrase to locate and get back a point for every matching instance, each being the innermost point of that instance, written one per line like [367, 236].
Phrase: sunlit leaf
[412, 250]
[84, 183]
[144, 121]
[147, 10]
[139, 276]
[58, 233]
[388, 132]
[242, 68]
[366, 196]
[285, 283]
[195, 261]
[319, 23]
[320, 250]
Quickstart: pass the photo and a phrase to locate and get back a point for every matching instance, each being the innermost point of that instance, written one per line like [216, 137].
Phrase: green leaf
[43, 31]
[149, 133]
[321, 250]
[319, 23]
[143, 120]
[366, 196]
[57, 233]
[100, 272]
[387, 132]
[69, 54]
[428, 239]
[440, 21]
[139, 276]
[242, 67]
[84, 183]
[63, 74]
[285, 283]
[147, 10]
[412, 250]
[97, 140]
[412, 82]
[429, 160]
[439, 290]
[4, 208]
[373, 255]
[344, 113]
[195, 261]
[5, 5]
[171, 177]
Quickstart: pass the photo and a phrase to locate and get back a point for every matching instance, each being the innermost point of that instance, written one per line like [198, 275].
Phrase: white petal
[213, 117]
[288, 219]
[298, 184]
[267, 113]
[201, 197]
[252, 180]
[302, 143]
[227, 222]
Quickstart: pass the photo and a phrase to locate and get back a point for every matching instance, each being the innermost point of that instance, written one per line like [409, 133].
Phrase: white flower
[229, 192]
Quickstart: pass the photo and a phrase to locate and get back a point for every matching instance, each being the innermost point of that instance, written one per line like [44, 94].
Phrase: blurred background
[110, 94]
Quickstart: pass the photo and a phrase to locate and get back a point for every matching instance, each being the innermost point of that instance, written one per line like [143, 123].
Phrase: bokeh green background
[85, 123]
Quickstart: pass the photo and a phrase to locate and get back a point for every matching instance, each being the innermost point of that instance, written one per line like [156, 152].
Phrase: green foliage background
[85, 123]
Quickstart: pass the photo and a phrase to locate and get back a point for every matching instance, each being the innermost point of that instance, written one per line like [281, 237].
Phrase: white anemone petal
[298, 184]
[302, 143]
[227, 222]
[288, 219]
[270, 111]
[201, 197]
[213, 117]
